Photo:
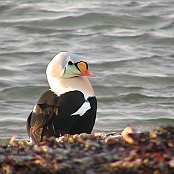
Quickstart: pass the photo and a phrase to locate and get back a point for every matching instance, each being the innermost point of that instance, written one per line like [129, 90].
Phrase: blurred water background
[128, 44]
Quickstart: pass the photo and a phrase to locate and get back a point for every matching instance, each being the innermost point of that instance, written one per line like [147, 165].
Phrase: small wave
[137, 97]
[64, 21]
[130, 97]
[23, 92]
[85, 20]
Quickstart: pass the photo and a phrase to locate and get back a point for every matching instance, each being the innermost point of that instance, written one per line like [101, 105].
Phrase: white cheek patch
[84, 108]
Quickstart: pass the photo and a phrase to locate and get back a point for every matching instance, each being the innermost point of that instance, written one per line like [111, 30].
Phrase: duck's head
[67, 65]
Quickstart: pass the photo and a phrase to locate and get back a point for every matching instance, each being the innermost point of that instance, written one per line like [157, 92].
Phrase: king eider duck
[69, 106]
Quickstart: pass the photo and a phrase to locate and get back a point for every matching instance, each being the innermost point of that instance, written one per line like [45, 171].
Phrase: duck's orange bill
[87, 73]
[83, 67]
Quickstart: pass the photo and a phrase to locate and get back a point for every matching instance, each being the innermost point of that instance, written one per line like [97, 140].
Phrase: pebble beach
[105, 153]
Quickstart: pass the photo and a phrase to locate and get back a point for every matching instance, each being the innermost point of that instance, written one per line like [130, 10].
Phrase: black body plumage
[52, 115]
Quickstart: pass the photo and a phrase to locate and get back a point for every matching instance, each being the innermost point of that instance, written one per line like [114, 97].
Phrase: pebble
[171, 163]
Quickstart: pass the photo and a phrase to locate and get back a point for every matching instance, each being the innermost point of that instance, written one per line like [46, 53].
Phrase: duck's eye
[70, 63]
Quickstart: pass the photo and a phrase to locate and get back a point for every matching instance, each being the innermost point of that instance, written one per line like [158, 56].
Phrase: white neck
[62, 85]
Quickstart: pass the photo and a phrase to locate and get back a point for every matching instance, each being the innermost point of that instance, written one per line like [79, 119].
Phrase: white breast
[62, 85]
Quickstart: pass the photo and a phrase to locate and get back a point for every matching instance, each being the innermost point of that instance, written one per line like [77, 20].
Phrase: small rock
[127, 131]
[171, 163]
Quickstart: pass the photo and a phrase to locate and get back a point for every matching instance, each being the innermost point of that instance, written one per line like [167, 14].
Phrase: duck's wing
[42, 113]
